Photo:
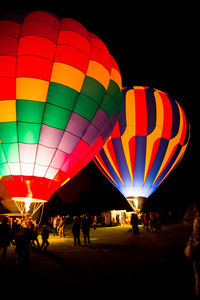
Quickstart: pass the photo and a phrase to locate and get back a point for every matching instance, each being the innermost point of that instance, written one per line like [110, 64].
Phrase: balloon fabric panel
[61, 95]
[147, 142]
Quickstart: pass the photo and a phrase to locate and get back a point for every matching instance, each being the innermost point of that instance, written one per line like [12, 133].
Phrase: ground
[118, 261]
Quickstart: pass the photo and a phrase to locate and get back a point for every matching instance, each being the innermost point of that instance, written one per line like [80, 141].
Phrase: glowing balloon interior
[60, 97]
[147, 142]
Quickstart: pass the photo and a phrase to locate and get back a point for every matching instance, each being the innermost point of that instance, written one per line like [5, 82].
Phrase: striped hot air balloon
[146, 144]
[60, 97]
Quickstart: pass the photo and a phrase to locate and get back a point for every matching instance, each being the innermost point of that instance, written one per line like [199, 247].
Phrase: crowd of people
[23, 234]
[150, 221]
[57, 225]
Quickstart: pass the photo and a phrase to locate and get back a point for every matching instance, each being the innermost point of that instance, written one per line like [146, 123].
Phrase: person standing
[94, 222]
[134, 222]
[76, 230]
[5, 237]
[157, 222]
[152, 221]
[58, 223]
[55, 226]
[62, 226]
[146, 221]
[20, 245]
[195, 247]
[86, 229]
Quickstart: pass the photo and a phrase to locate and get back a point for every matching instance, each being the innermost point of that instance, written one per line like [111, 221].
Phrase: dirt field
[117, 261]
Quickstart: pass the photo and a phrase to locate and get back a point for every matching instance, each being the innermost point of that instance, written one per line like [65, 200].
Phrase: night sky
[154, 45]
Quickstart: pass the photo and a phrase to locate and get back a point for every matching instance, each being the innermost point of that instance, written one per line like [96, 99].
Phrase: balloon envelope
[60, 97]
[147, 142]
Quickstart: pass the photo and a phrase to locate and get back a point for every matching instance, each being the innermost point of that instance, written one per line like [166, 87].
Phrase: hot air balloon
[60, 97]
[146, 144]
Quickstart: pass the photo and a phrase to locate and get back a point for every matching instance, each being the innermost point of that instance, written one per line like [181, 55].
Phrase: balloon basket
[133, 202]
[136, 202]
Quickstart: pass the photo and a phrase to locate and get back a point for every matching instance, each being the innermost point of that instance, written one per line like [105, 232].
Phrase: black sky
[156, 45]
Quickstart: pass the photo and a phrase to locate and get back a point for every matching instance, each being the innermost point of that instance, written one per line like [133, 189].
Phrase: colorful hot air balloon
[147, 142]
[60, 97]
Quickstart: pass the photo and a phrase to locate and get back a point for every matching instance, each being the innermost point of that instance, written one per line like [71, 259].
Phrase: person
[50, 223]
[195, 241]
[19, 243]
[157, 222]
[134, 223]
[61, 227]
[34, 236]
[29, 222]
[146, 221]
[152, 221]
[5, 237]
[58, 223]
[16, 226]
[94, 222]
[103, 220]
[22, 241]
[86, 229]
[55, 226]
[76, 230]
[117, 219]
[45, 237]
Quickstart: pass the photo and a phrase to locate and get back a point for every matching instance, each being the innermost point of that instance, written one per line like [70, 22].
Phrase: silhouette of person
[55, 226]
[94, 222]
[86, 229]
[45, 237]
[76, 230]
[34, 236]
[134, 223]
[6, 237]
[22, 241]
[195, 239]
